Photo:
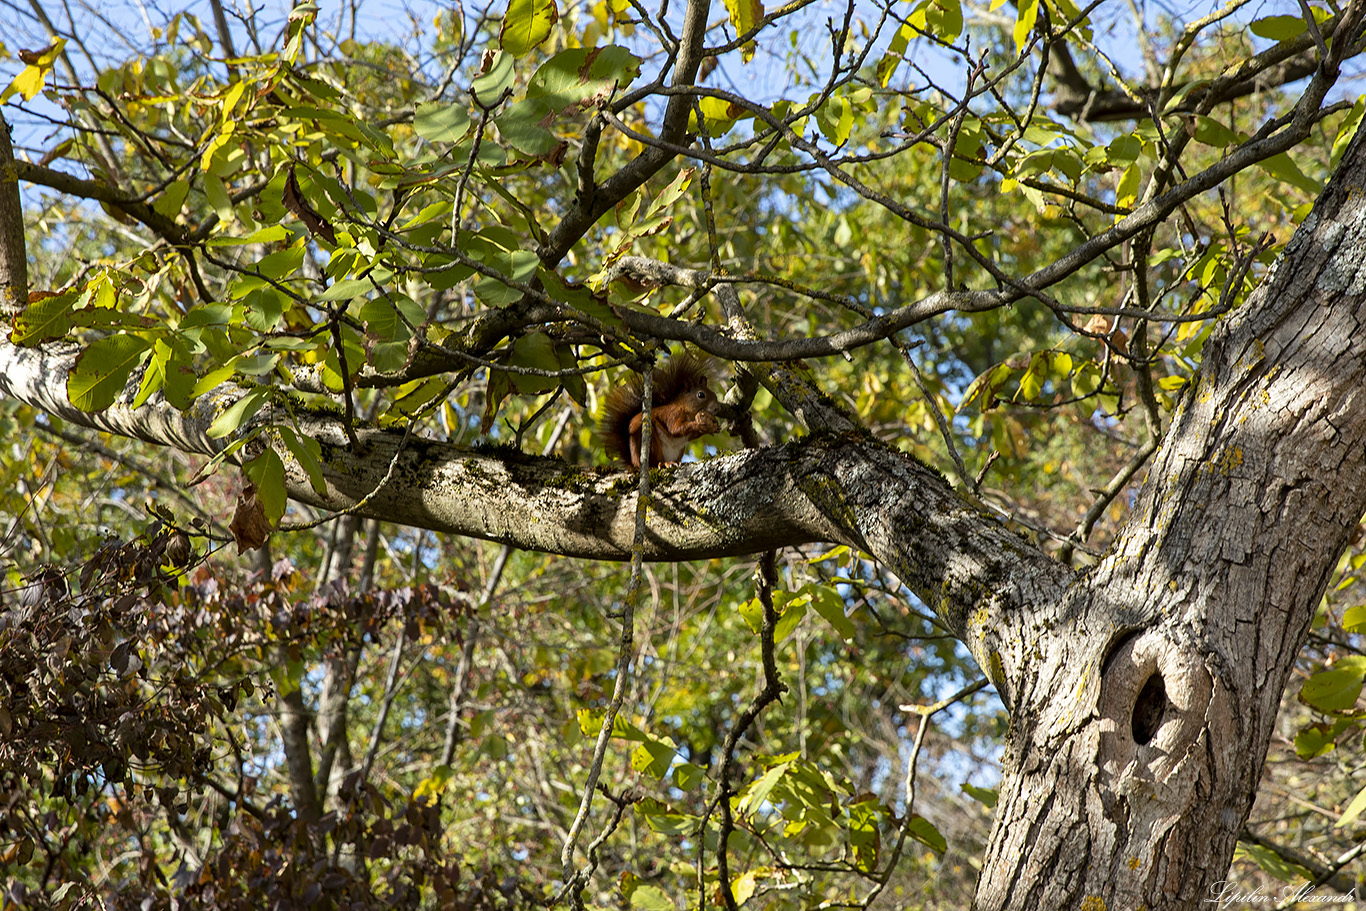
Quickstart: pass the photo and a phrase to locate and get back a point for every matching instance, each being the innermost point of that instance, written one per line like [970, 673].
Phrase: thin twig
[576, 880]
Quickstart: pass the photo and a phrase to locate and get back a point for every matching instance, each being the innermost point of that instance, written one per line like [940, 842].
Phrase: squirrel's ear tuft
[681, 372]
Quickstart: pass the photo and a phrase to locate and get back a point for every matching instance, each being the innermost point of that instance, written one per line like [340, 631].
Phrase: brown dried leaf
[249, 526]
[295, 202]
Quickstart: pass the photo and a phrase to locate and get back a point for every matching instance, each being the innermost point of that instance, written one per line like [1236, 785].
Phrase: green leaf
[308, 453]
[1354, 619]
[216, 191]
[862, 830]
[756, 793]
[172, 199]
[983, 389]
[835, 553]
[787, 623]
[238, 413]
[1086, 380]
[1335, 689]
[262, 309]
[1346, 130]
[828, 603]
[653, 757]
[388, 357]
[836, 119]
[429, 789]
[1213, 133]
[102, 370]
[651, 898]
[526, 24]
[1272, 863]
[211, 380]
[1031, 386]
[520, 266]
[267, 472]
[583, 76]
[1315, 740]
[382, 322]
[522, 125]
[688, 776]
[30, 80]
[1069, 12]
[896, 52]
[987, 797]
[1122, 150]
[168, 369]
[1278, 28]
[744, 15]
[941, 18]
[1126, 191]
[347, 289]
[438, 121]
[717, 114]
[269, 235]
[673, 192]
[660, 819]
[1284, 169]
[206, 315]
[923, 831]
[580, 297]
[416, 396]
[535, 350]
[256, 365]
[744, 886]
[488, 88]
[43, 319]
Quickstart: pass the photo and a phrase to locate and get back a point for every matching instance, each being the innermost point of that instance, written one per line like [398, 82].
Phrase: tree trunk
[1137, 739]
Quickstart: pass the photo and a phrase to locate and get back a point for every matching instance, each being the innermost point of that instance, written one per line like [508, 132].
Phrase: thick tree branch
[13, 261]
[134, 208]
[843, 488]
[1286, 62]
[589, 207]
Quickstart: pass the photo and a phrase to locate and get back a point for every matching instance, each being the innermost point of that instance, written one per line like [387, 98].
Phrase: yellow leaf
[744, 15]
[30, 82]
[526, 24]
[742, 887]
[1353, 809]
[1026, 15]
[717, 113]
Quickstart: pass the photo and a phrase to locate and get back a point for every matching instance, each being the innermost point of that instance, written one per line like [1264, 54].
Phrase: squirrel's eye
[701, 393]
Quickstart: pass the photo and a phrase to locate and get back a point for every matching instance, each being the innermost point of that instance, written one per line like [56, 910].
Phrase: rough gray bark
[1210, 590]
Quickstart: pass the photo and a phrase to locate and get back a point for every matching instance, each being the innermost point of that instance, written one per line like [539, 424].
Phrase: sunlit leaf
[744, 16]
[441, 122]
[1354, 809]
[488, 87]
[1026, 13]
[526, 24]
[238, 413]
[102, 371]
[1337, 688]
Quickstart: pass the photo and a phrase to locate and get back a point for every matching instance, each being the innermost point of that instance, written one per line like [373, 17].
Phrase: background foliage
[359, 714]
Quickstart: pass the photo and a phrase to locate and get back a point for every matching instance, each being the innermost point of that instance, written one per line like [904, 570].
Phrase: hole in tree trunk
[1148, 710]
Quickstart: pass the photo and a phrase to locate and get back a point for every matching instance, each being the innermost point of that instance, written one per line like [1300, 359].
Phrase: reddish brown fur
[675, 414]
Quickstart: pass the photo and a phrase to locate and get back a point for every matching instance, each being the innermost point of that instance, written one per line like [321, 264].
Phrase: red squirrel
[682, 412]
